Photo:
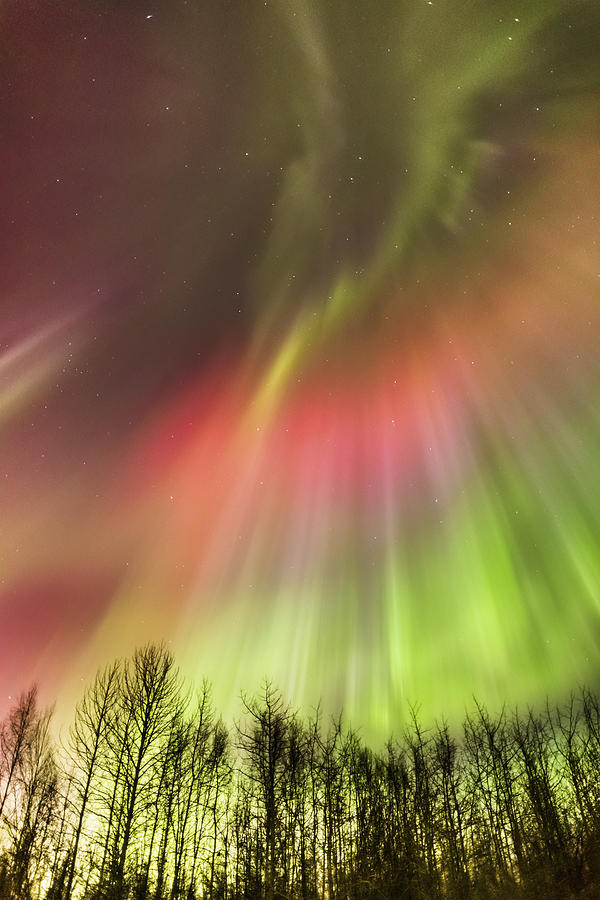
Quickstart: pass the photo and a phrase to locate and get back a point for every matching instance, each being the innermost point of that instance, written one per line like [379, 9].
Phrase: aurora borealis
[299, 347]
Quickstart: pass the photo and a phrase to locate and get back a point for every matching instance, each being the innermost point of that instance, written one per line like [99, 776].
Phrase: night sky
[300, 347]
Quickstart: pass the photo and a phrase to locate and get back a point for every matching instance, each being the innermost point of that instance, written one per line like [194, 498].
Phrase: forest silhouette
[150, 795]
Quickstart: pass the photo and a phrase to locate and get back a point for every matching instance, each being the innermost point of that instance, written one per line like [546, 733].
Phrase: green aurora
[300, 369]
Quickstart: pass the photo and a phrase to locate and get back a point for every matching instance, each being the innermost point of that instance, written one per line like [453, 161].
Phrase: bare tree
[263, 740]
[30, 797]
[88, 749]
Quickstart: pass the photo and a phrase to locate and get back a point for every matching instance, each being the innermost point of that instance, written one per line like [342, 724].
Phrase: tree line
[150, 795]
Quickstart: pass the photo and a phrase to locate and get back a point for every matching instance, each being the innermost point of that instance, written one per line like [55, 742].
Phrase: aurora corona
[300, 348]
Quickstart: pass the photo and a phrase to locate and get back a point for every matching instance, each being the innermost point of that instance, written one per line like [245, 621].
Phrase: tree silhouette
[151, 797]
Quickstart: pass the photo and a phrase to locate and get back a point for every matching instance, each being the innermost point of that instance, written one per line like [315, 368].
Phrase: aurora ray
[300, 348]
